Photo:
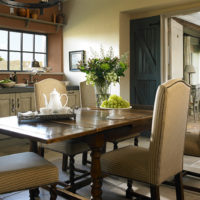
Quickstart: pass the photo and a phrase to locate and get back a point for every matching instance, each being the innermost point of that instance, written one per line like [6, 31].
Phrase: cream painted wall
[91, 23]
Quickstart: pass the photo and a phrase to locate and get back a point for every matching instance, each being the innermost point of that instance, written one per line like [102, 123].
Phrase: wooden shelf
[28, 20]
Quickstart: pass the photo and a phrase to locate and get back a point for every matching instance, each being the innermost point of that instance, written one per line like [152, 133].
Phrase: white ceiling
[192, 18]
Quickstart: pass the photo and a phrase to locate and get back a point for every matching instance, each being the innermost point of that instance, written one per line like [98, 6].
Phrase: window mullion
[34, 47]
[21, 56]
[8, 52]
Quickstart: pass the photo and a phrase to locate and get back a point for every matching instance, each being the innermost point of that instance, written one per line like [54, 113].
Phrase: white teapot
[55, 103]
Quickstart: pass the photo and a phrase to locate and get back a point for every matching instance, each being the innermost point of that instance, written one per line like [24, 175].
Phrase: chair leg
[115, 145]
[34, 193]
[71, 172]
[179, 186]
[104, 148]
[41, 151]
[84, 158]
[64, 162]
[53, 194]
[136, 141]
[155, 193]
[129, 190]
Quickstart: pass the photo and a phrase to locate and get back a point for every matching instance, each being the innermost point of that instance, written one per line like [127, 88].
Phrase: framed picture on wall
[74, 58]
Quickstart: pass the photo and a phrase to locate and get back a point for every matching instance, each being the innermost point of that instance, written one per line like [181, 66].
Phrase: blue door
[144, 59]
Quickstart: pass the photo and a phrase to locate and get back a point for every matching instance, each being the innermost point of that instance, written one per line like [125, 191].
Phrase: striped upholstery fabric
[24, 171]
[164, 158]
[192, 143]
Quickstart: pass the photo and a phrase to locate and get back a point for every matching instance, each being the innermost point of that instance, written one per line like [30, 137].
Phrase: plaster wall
[92, 23]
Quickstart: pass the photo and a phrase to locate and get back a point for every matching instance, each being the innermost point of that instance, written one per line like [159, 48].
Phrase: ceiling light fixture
[39, 5]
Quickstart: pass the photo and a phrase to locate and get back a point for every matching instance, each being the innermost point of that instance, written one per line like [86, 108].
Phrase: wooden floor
[113, 187]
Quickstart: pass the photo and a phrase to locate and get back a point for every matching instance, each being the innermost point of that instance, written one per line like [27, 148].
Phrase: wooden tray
[39, 117]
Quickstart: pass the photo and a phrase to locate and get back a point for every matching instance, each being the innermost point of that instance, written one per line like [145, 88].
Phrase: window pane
[3, 39]
[41, 58]
[40, 43]
[15, 61]
[27, 42]
[3, 63]
[15, 43]
[27, 61]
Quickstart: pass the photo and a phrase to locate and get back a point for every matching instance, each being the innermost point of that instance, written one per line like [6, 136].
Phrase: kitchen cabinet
[73, 98]
[11, 104]
[7, 105]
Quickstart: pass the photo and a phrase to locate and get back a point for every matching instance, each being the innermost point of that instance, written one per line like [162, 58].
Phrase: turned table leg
[96, 174]
[96, 143]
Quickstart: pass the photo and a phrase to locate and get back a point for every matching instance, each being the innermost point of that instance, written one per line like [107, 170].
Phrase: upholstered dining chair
[88, 99]
[164, 157]
[27, 170]
[68, 148]
[87, 95]
[192, 148]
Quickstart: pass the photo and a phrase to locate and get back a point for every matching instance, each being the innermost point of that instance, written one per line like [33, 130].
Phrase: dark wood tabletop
[92, 126]
[87, 122]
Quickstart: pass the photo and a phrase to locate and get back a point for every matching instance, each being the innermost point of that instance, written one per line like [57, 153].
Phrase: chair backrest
[46, 86]
[87, 95]
[168, 129]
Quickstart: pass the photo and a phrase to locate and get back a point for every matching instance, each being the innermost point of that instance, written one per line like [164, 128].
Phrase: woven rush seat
[192, 143]
[25, 171]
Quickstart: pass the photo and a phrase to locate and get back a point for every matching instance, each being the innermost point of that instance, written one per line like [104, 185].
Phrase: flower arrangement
[104, 69]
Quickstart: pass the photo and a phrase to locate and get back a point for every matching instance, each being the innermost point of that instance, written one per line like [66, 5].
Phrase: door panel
[145, 59]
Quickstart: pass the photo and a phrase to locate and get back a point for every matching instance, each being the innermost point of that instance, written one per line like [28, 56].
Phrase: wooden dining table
[93, 126]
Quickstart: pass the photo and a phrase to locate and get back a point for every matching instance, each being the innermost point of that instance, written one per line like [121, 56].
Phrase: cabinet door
[73, 98]
[25, 102]
[7, 105]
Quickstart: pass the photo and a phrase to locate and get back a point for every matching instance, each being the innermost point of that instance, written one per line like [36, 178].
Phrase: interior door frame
[124, 36]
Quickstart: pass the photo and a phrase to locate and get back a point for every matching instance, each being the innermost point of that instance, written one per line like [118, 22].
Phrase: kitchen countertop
[29, 89]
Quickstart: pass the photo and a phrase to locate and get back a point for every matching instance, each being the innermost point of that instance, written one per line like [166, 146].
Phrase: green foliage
[5, 81]
[105, 69]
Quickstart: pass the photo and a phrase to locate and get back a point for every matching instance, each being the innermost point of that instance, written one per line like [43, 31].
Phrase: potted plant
[103, 70]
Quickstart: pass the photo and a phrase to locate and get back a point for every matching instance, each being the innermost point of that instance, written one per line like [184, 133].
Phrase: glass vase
[102, 92]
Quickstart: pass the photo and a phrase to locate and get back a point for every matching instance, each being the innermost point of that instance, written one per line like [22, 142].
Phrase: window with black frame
[19, 49]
